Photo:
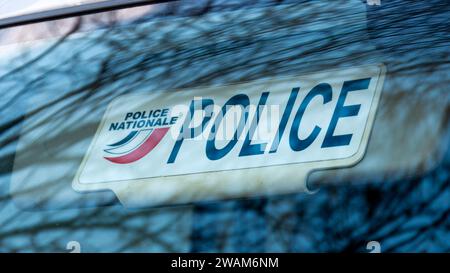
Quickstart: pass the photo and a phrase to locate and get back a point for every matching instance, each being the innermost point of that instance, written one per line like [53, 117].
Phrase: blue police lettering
[211, 151]
[254, 149]
[322, 90]
[297, 144]
[204, 105]
[344, 111]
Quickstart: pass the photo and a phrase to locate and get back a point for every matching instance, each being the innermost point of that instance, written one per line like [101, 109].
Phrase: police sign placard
[231, 141]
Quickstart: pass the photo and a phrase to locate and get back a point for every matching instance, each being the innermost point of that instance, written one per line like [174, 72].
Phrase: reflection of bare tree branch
[67, 90]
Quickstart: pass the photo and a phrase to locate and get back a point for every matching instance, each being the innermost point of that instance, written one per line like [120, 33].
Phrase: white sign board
[253, 138]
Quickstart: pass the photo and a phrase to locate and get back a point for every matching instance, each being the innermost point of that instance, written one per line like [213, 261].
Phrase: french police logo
[260, 137]
[148, 129]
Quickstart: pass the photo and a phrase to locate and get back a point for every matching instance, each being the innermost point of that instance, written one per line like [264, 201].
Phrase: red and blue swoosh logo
[136, 145]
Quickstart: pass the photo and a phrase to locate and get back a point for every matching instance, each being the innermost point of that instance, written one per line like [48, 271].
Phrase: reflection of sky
[20, 7]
